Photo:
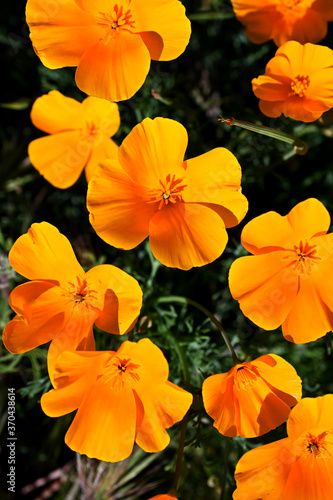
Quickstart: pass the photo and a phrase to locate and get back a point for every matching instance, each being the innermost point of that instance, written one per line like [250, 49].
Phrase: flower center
[112, 22]
[120, 370]
[168, 192]
[244, 377]
[293, 9]
[290, 3]
[299, 85]
[318, 445]
[79, 292]
[90, 132]
[303, 258]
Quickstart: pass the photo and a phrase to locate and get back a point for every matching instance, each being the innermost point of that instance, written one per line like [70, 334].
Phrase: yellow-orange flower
[299, 467]
[61, 302]
[289, 279]
[110, 41]
[253, 397]
[298, 82]
[283, 20]
[79, 136]
[122, 397]
[184, 206]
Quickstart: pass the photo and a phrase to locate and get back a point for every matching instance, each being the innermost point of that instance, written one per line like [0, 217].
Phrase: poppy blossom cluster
[111, 42]
[253, 397]
[283, 20]
[61, 303]
[288, 280]
[122, 397]
[297, 467]
[298, 82]
[79, 136]
[148, 188]
[183, 206]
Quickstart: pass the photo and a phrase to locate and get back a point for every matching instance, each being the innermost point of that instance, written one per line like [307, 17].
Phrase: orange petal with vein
[187, 235]
[44, 253]
[60, 158]
[127, 57]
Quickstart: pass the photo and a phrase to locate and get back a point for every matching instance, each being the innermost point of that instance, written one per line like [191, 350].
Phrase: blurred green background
[212, 78]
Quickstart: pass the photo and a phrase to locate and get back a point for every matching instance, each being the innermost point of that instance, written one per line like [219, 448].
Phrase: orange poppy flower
[298, 82]
[61, 302]
[253, 397]
[163, 497]
[283, 20]
[184, 206]
[79, 136]
[298, 467]
[122, 397]
[289, 279]
[110, 42]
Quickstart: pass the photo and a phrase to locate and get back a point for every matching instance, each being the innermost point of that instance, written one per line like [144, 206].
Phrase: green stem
[155, 265]
[211, 15]
[173, 489]
[300, 146]
[185, 300]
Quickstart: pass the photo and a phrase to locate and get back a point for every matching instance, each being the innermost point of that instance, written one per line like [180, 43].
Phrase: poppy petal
[258, 30]
[77, 333]
[128, 63]
[312, 27]
[186, 235]
[318, 60]
[310, 477]
[161, 408]
[271, 109]
[104, 426]
[60, 32]
[103, 114]
[75, 373]
[159, 405]
[310, 413]
[269, 89]
[217, 393]
[219, 185]
[309, 317]
[281, 376]
[60, 158]
[122, 298]
[307, 219]
[54, 112]
[168, 19]
[259, 409]
[322, 274]
[292, 108]
[101, 5]
[41, 314]
[150, 357]
[103, 150]
[43, 253]
[154, 149]
[315, 107]
[264, 287]
[278, 68]
[258, 236]
[154, 43]
[262, 472]
[118, 207]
